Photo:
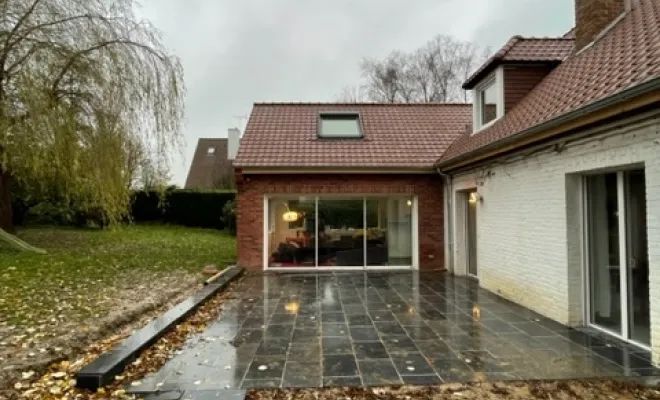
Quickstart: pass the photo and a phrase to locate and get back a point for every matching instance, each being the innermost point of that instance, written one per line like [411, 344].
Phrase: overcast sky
[237, 52]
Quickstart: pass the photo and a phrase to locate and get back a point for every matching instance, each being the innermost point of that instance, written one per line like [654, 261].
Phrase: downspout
[449, 236]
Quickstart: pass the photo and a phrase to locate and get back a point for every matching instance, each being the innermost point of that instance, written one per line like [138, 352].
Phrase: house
[553, 200]
[547, 191]
[211, 167]
[344, 185]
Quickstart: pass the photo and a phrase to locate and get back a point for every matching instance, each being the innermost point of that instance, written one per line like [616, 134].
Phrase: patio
[375, 329]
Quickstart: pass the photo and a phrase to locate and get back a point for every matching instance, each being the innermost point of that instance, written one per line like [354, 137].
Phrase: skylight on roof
[340, 125]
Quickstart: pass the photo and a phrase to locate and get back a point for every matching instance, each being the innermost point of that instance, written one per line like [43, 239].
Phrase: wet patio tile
[336, 345]
[370, 350]
[363, 334]
[265, 368]
[412, 364]
[339, 365]
[400, 345]
[421, 380]
[302, 374]
[393, 331]
[378, 373]
[341, 381]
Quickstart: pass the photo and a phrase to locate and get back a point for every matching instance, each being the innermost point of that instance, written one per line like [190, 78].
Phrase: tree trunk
[6, 215]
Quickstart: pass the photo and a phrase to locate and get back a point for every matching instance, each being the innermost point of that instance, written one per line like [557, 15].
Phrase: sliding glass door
[618, 290]
[340, 232]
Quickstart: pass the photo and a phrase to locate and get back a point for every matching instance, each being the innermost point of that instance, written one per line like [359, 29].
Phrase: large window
[340, 125]
[340, 231]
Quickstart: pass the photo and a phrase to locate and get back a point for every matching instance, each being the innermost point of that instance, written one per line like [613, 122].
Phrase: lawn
[90, 274]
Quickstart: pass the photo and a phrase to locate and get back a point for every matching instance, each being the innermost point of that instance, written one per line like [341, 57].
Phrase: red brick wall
[250, 207]
[592, 16]
[519, 81]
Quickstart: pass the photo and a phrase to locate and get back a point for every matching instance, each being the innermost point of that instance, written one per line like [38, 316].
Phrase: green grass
[84, 269]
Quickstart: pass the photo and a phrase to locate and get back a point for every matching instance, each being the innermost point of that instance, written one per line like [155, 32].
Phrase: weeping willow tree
[82, 81]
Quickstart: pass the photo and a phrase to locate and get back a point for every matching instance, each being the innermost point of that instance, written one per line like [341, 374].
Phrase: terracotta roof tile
[524, 50]
[626, 56]
[395, 135]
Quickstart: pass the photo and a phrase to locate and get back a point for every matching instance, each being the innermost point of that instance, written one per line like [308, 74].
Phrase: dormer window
[335, 125]
[210, 151]
[489, 100]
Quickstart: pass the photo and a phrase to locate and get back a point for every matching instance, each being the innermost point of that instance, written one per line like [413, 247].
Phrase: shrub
[181, 207]
[229, 216]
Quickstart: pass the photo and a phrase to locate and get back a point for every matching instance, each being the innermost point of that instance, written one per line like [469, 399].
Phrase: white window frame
[497, 78]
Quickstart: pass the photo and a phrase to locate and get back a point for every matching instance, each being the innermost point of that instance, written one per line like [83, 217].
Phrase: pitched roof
[208, 170]
[405, 136]
[524, 50]
[625, 57]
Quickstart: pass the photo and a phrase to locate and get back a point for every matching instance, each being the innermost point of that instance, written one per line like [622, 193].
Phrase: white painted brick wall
[522, 222]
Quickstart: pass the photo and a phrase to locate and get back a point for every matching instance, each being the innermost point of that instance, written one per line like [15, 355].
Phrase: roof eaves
[649, 87]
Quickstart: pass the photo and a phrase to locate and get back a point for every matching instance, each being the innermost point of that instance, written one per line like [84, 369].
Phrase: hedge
[181, 207]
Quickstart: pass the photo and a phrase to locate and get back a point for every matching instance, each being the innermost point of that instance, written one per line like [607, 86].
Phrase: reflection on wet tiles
[353, 329]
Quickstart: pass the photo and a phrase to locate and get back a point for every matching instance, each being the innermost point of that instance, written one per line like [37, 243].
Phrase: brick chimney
[593, 16]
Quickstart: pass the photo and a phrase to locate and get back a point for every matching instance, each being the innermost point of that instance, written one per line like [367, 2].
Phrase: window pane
[340, 126]
[604, 251]
[341, 233]
[291, 240]
[488, 99]
[389, 231]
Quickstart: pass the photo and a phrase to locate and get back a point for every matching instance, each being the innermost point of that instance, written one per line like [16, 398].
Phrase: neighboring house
[211, 167]
[344, 167]
[554, 202]
[547, 190]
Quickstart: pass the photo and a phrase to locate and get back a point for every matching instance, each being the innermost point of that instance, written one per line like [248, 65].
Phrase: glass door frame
[471, 243]
[364, 198]
[624, 267]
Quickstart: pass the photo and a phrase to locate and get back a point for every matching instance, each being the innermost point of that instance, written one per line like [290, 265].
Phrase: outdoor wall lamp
[475, 198]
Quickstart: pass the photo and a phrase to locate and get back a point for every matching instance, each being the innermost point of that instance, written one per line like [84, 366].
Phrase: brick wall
[427, 188]
[519, 81]
[529, 229]
[592, 16]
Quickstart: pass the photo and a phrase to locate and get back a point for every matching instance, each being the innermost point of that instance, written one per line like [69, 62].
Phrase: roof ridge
[546, 38]
[363, 104]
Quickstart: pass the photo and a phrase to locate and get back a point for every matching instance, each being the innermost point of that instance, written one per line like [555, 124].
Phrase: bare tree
[75, 76]
[432, 73]
[353, 94]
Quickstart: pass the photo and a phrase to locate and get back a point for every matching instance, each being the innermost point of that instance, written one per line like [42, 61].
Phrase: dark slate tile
[278, 331]
[171, 395]
[363, 334]
[433, 315]
[497, 326]
[224, 394]
[336, 345]
[412, 364]
[261, 383]
[382, 316]
[400, 345]
[248, 337]
[333, 317]
[421, 333]
[301, 335]
[421, 380]
[342, 381]
[282, 319]
[339, 365]
[407, 319]
[308, 321]
[354, 309]
[451, 369]
[390, 328]
[273, 347]
[265, 368]
[336, 330]
[302, 374]
[360, 320]
[370, 350]
[378, 373]
[533, 329]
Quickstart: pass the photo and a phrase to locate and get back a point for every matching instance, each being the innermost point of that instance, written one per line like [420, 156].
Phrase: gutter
[650, 87]
[449, 232]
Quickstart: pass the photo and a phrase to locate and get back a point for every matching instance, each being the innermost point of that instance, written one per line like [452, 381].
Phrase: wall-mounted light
[409, 202]
[475, 198]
